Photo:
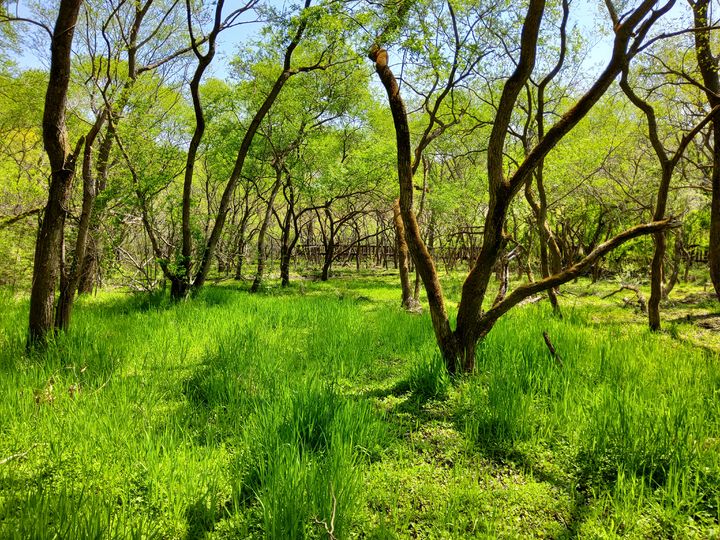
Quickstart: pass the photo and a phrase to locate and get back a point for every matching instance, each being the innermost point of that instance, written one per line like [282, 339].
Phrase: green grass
[324, 407]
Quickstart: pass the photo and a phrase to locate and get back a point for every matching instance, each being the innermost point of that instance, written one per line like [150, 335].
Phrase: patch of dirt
[694, 298]
[710, 323]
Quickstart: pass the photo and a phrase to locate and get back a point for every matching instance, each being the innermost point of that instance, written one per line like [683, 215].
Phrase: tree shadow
[203, 514]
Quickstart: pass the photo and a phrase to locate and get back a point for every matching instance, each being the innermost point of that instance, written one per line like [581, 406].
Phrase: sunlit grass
[290, 413]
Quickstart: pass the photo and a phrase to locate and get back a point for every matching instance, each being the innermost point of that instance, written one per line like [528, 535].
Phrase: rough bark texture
[708, 65]
[423, 260]
[62, 162]
[469, 330]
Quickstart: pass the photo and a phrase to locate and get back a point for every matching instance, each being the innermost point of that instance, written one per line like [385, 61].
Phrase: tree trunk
[69, 285]
[458, 348]
[550, 263]
[285, 253]
[62, 162]
[243, 151]
[408, 299]
[263, 231]
[285, 260]
[708, 64]
[328, 258]
[667, 165]
[204, 60]
[90, 266]
[714, 240]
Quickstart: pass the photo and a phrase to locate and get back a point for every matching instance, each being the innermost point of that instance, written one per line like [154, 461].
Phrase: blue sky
[588, 17]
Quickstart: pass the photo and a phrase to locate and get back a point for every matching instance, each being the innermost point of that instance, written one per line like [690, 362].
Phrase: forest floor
[323, 411]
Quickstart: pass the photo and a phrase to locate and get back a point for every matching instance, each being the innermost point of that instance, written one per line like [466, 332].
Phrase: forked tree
[458, 345]
[50, 259]
[63, 159]
[667, 162]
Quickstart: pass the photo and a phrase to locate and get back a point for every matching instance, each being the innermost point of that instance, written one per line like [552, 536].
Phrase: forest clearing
[359, 269]
[241, 416]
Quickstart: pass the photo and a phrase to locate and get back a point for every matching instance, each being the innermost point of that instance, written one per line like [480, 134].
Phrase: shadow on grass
[203, 514]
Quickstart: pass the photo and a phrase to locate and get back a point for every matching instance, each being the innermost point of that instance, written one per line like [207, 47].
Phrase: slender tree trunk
[184, 277]
[245, 145]
[69, 284]
[408, 300]
[91, 264]
[285, 253]
[548, 243]
[263, 231]
[426, 172]
[550, 258]
[62, 162]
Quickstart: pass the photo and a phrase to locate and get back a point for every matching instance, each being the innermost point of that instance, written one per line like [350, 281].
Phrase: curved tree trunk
[253, 126]
[62, 162]
[458, 348]
[667, 165]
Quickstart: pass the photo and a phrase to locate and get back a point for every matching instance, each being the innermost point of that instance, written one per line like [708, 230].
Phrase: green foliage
[304, 449]
[429, 379]
[233, 415]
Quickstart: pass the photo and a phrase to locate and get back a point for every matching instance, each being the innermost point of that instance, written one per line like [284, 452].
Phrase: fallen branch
[330, 530]
[19, 455]
[640, 298]
[552, 350]
[531, 300]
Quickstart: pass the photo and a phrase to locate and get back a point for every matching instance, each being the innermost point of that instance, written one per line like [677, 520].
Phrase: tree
[667, 163]
[62, 162]
[709, 65]
[473, 323]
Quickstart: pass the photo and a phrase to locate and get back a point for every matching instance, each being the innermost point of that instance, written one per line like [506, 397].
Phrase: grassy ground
[322, 411]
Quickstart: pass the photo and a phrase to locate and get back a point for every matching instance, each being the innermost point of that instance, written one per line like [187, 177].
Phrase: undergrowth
[324, 411]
